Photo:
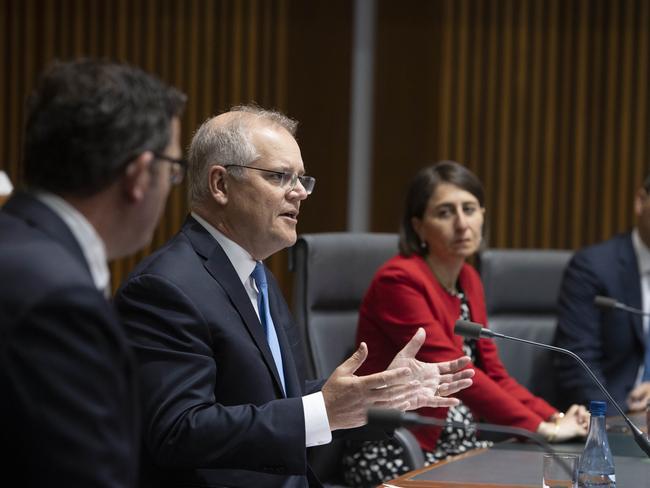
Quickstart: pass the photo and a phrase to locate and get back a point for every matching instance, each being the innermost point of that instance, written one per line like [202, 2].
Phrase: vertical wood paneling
[641, 122]
[533, 149]
[477, 62]
[489, 129]
[521, 80]
[578, 158]
[611, 103]
[560, 137]
[547, 100]
[504, 137]
[550, 106]
[211, 49]
[4, 128]
[445, 123]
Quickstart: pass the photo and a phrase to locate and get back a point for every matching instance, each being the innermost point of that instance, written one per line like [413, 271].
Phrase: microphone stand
[391, 419]
[467, 329]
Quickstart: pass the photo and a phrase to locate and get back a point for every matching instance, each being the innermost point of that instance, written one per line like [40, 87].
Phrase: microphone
[608, 302]
[473, 330]
[389, 419]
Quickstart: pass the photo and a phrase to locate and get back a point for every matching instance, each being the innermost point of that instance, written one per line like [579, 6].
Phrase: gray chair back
[332, 273]
[521, 292]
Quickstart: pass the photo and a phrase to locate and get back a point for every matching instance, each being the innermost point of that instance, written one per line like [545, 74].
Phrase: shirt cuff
[317, 426]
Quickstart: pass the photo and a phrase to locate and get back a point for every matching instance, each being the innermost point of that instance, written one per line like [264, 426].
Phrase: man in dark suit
[613, 343]
[224, 398]
[97, 138]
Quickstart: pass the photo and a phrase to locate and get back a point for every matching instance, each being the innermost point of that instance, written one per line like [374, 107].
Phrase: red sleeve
[403, 298]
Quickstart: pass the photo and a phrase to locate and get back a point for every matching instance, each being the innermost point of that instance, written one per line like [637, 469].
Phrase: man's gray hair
[229, 143]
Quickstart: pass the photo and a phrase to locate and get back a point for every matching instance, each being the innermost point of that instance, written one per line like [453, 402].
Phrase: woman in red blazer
[430, 285]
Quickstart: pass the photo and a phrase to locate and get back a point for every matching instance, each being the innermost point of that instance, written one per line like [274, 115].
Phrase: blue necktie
[259, 276]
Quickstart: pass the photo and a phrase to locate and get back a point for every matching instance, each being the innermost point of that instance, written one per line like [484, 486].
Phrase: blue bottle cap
[597, 407]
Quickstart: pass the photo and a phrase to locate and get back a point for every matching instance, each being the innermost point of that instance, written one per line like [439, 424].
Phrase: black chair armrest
[413, 454]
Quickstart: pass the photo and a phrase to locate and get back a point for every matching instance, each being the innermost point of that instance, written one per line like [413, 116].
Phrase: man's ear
[137, 177]
[639, 200]
[218, 183]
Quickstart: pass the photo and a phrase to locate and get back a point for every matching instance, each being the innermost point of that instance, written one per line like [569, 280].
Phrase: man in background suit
[223, 393]
[613, 343]
[98, 144]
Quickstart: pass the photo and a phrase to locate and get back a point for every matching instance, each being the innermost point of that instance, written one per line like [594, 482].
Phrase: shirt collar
[241, 259]
[642, 253]
[90, 242]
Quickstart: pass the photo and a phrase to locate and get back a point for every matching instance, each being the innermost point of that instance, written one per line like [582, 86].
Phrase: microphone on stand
[608, 302]
[389, 419]
[473, 330]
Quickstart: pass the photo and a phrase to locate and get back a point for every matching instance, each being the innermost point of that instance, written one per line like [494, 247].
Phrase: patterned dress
[373, 462]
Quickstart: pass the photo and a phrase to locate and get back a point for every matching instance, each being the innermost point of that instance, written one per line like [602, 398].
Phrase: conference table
[516, 464]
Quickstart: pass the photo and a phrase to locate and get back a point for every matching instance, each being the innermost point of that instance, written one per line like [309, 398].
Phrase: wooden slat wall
[547, 100]
[219, 52]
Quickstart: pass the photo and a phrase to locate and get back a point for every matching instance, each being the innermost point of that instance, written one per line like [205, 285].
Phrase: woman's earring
[423, 245]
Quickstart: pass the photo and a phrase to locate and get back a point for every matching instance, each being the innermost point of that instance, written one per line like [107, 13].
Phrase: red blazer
[405, 295]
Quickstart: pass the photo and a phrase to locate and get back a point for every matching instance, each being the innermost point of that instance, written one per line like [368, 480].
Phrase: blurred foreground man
[100, 143]
[614, 343]
[224, 398]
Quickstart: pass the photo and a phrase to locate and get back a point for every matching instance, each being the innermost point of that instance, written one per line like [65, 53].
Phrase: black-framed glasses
[285, 180]
[178, 167]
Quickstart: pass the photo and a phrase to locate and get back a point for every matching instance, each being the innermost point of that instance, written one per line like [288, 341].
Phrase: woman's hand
[574, 423]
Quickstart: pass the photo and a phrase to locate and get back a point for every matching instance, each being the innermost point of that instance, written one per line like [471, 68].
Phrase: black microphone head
[468, 329]
[607, 302]
[385, 418]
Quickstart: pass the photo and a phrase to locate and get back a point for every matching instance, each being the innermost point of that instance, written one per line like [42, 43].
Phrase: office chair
[332, 274]
[521, 291]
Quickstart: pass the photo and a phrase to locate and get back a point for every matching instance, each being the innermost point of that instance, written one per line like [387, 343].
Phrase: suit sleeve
[578, 330]
[400, 305]
[183, 424]
[70, 378]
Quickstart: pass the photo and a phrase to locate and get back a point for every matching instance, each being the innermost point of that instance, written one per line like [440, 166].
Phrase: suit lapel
[221, 269]
[629, 270]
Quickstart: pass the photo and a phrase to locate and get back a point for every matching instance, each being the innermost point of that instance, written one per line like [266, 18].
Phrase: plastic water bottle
[596, 467]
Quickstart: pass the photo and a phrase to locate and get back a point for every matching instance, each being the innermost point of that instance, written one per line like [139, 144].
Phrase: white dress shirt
[91, 244]
[317, 427]
[643, 260]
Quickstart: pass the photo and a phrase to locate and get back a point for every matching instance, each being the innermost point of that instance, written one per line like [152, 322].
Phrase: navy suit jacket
[213, 409]
[610, 341]
[68, 412]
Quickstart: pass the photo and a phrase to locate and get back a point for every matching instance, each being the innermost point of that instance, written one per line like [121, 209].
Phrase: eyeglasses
[178, 168]
[288, 181]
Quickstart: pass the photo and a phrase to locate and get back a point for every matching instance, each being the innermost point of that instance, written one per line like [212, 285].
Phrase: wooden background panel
[546, 100]
[218, 52]
[318, 85]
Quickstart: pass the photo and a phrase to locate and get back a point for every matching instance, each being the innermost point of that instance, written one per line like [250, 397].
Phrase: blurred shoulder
[29, 258]
[601, 252]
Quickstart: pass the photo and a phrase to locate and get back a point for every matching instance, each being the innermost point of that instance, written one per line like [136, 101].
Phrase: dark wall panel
[219, 52]
[547, 100]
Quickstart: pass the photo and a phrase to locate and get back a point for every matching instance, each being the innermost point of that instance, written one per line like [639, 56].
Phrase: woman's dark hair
[424, 185]
[88, 118]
